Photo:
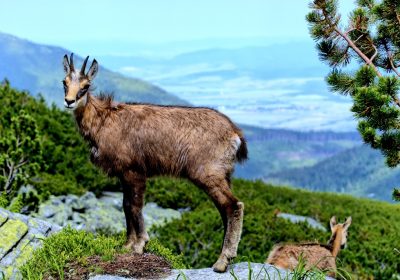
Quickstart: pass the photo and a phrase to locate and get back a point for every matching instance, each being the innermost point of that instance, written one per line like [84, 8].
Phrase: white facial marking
[70, 106]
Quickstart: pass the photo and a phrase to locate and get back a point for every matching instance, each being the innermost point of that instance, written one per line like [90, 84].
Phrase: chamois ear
[347, 223]
[332, 222]
[94, 68]
[67, 69]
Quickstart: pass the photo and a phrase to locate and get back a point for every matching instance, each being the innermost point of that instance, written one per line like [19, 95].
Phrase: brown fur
[136, 141]
[314, 254]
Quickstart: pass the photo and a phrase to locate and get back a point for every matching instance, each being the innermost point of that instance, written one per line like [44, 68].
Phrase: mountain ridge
[37, 68]
[359, 171]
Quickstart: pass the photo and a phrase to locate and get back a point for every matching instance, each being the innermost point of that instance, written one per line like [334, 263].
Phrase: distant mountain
[267, 62]
[274, 86]
[358, 171]
[38, 69]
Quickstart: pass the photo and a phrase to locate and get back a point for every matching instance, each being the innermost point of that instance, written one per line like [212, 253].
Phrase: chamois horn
[84, 65]
[71, 62]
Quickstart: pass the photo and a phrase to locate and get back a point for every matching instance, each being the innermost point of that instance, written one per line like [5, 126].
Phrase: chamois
[316, 255]
[134, 141]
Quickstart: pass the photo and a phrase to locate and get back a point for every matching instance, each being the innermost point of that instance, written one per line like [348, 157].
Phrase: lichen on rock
[19, 235]
[93, 214]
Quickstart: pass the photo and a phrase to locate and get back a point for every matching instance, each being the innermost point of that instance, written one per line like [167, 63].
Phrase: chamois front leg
[134, 186]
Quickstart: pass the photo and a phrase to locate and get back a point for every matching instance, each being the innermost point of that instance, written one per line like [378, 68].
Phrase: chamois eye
[82, 91]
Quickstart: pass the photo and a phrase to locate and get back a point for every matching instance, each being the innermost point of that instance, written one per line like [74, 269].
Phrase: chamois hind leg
[134, 186]
[231, 211]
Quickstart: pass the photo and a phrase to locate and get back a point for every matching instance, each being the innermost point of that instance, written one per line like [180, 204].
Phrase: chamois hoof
[137, 249]
[220, 266]
[129, 245]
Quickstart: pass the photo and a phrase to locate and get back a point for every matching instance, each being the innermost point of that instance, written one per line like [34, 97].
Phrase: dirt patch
[127, 265]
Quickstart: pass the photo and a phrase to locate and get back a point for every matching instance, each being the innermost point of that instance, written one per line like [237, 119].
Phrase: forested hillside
[274, 150]
[359, 171]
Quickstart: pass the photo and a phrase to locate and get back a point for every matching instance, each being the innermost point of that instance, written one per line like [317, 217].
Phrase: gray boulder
[19, 236]
[93, 214]
[297, 218]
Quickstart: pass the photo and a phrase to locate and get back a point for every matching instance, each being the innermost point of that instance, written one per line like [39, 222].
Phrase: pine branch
[390, 58]
[350, 42]
[352, 45]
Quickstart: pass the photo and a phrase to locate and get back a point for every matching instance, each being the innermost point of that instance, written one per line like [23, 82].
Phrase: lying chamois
[136, 141]
[316, 255]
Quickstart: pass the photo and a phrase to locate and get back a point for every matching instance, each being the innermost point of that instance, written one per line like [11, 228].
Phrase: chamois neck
[90, 117]
[335, 244]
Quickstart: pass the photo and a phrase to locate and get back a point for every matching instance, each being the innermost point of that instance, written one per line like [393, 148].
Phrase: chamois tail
[241, 153]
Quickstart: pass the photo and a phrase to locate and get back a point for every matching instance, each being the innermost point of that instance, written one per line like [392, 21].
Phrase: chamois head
[339, 231]
[77, 83]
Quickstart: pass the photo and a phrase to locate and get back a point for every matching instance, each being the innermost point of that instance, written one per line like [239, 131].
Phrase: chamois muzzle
[69, 104]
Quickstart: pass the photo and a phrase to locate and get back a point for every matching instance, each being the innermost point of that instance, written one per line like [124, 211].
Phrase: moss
[7, 272]
[10, 233]
[3, 217]
[26, 253]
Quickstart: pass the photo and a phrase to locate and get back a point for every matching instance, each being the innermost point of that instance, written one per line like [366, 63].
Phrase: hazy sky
[77, 23]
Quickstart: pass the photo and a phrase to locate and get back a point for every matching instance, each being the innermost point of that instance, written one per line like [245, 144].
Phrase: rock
[3, 217]
[71, 199]
[296, 219]
[47, 211]
[20, 235]
[155, 215]
[113, 199]
[93, 214]
[236, 271]
[11, 233]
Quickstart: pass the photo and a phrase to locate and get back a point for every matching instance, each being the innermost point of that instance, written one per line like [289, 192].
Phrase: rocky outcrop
[92, 214]
[297, 219]
[19, 236]
[239, 271]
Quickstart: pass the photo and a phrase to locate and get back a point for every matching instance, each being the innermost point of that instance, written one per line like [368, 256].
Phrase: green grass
[67, 246]
[72, 245]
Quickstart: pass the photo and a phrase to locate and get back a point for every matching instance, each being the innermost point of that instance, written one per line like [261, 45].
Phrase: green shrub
[174, 193]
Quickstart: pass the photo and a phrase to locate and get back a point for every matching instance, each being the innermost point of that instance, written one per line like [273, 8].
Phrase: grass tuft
[155, 247]
[75, 246]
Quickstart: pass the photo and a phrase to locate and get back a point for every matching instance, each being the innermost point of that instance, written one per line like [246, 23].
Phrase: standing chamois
[136, 141]
[315, 255]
